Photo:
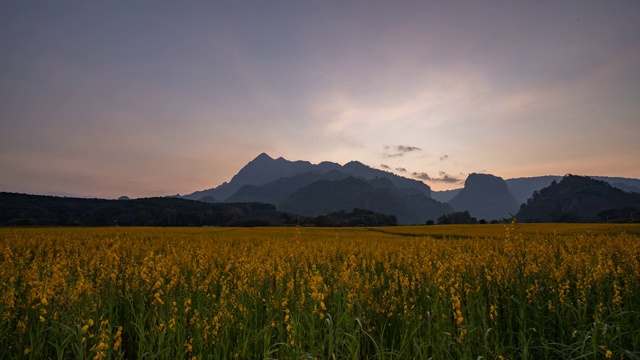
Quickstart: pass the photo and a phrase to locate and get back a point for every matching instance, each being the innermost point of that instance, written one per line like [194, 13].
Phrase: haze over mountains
[276, 192]
[264, 169]
[315, 189]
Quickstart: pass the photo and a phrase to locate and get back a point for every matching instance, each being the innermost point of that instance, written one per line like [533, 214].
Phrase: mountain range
[522, 188]
[272, 192]
[308, 189]
[264, 169]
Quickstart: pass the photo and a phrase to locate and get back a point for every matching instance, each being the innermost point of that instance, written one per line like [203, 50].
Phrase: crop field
[551, 291]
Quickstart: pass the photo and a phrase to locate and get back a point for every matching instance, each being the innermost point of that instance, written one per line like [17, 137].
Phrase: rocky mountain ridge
[264, 169]
[279, 181]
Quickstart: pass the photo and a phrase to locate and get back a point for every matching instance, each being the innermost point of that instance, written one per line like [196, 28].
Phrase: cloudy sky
[149, 98]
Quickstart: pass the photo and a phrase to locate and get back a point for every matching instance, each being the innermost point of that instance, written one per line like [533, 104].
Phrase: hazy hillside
[410, 206]
[259, 171]
[277, 191]
[624, 184]
[522, 188]
[444, 195]
[576, 199]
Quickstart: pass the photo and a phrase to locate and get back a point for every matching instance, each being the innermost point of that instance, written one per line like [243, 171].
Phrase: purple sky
[150, 98]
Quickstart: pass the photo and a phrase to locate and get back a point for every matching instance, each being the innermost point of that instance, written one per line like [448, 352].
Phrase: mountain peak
[262, 157]
[475, 180]
[485, 196]
[354, 163]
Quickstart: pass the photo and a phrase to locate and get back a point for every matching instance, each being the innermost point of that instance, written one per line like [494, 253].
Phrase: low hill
[39, 210]
[577, 199]
[357, 217]
[22, 209]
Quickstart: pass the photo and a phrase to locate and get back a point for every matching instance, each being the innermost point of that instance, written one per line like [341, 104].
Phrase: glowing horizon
[111, 99]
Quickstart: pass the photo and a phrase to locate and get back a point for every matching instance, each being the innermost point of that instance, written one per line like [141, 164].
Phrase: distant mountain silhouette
[625, 187]
[264, 169]
[259, 171]
[523, 188]
[485, 197]
[444, 195]
[488, 197]
[277, 191]
[624, 184]
[410, 206]
[576, 199]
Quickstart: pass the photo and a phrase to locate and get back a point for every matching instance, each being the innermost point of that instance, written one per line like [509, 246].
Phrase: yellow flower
[608, 354]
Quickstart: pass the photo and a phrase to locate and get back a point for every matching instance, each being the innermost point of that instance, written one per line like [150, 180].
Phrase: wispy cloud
[391, 156]
[399, 150]
[444, 157]
[421, 176]
[443, 177]
[401, 169]
[403, 148]
[446, 178]
[383, 166]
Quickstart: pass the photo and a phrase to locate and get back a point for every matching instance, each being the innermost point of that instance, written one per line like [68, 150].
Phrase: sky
[153, 98]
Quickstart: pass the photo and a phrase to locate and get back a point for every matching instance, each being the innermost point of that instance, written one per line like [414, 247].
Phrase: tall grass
[296, 293]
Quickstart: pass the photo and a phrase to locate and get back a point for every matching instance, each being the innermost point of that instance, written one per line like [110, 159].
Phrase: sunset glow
[105, 99]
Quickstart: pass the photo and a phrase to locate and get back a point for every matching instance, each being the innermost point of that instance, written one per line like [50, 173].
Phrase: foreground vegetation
[495, 291]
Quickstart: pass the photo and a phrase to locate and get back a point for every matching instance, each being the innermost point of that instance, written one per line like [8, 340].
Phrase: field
[442, 292]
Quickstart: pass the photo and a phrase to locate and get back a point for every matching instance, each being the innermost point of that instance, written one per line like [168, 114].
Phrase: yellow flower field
[441, 292]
